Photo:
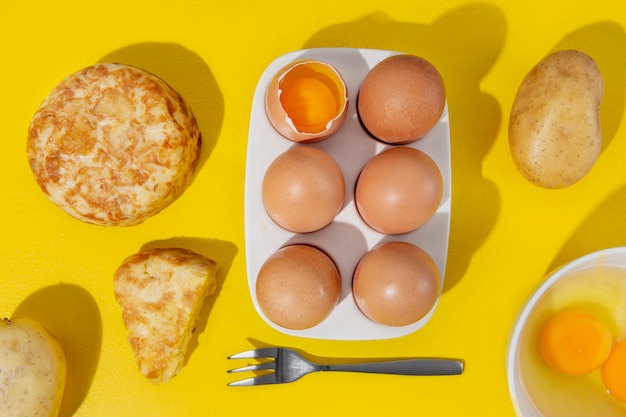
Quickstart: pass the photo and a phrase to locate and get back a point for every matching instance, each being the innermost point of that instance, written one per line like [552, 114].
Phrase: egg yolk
[574, 342]
[614, 371]
[310, 102]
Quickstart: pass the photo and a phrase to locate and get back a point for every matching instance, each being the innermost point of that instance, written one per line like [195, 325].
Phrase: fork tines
[256, 353]
[270, 378]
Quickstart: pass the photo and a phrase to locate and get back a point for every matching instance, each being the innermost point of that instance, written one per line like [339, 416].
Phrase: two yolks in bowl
[575, 342]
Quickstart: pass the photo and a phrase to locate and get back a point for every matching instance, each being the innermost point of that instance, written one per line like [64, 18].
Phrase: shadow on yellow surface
[604, 228]
[72, 316]
[605, 42]
[189, 75]
[463, 44]
[218, 250]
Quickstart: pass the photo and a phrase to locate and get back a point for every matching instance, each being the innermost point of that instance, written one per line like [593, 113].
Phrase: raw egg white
[306, 101]
[399, 190]
[303, 189]
[396, 284]
[401, 99]
[298, 287]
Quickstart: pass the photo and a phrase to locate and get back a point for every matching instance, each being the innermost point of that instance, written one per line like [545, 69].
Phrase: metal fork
[288, 366]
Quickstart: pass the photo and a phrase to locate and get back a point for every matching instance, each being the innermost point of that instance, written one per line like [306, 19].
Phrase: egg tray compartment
[347, 238]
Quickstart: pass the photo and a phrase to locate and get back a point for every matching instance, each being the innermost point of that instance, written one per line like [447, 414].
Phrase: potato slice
[33, 370]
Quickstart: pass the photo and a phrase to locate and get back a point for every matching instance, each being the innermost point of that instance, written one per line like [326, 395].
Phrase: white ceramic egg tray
[347, 238]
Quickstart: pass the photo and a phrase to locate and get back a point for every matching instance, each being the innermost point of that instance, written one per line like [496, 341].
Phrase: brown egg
[396, 284]
[401, 99]
[398, 190]
[303, 189]
[306, 101]
[298, 287]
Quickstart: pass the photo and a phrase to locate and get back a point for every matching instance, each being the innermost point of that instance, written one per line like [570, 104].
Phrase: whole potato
[554, 129]
[33, 370]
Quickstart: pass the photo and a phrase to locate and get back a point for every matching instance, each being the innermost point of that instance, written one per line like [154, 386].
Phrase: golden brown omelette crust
[113, 144]
[161, 292]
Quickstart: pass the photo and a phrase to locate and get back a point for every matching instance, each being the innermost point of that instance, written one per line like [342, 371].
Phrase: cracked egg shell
[306, 101]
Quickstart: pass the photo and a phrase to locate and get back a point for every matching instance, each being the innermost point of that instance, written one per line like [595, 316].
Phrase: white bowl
[595, 282]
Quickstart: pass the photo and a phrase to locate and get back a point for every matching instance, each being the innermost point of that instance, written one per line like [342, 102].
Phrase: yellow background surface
[506, 233]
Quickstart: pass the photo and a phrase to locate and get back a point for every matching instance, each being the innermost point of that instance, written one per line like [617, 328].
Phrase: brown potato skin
[555, 134]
